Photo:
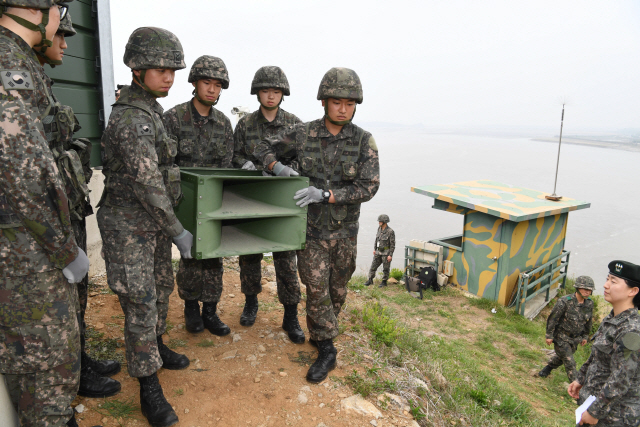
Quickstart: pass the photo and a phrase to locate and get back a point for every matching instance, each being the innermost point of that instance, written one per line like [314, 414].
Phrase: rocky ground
[253, 377]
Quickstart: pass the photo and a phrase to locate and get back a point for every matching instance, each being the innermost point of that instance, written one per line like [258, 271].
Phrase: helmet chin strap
[41, 28]
[337, 122]
[269, 108]
[46, 59]
[205, 102]
[140, 81]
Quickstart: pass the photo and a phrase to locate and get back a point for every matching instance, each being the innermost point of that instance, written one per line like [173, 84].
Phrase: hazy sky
[443, 64]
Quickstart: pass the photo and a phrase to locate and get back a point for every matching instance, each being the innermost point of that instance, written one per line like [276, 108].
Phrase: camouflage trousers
[325, 269]
[40, 358]
[286, 276]
[386, 267]
[139, 271]
[564, 355]
[200, 279]
[622, 416]
[80, 233]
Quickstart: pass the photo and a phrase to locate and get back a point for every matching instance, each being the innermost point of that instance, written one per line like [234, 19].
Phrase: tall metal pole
[554, 196]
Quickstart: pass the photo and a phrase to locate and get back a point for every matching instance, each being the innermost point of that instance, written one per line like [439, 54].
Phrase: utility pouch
[349, 171]
[307, 164]
[337, 215]
[222, 150]
[171, 178]
[169, 149]
[186, 146]
[73, 178]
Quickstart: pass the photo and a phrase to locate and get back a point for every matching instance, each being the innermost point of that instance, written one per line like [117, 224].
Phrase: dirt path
[253, 377]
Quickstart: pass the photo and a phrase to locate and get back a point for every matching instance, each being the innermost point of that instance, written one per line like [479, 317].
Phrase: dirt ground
[253, 377]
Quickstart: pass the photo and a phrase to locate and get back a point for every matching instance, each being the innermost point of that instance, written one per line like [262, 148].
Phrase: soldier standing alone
[341, 161]
[136, 217]
[205, 139]
[40, 262]
[569, 324]
[383, 249]
[270, 85]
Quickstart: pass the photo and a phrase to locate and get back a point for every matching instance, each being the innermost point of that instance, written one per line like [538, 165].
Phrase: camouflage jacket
[202, 141]
[253, 128]
[569, 320]
[346, 163]
[35, 227]
[136, 154]
[73, 157]
[612, 372]
[385, 243]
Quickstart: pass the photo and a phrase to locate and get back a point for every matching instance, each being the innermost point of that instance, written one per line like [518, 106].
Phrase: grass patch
[176, 343]
[369, 383]
[378, 320]
[119, 410]
[178, 392]
[206, 343]
[101, 348]
[396, 273]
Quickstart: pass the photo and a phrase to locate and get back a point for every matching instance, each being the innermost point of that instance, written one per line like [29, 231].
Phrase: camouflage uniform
[202, 142]
[350, 160]
[384, 246]
[568, 324]
[250, 130]
[137, 221]
[612, 372]
[39, 340]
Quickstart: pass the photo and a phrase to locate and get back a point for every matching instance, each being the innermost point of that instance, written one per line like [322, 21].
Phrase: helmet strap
[41, 28]
[46, 59]
[337, 122]
[204, 102]
[140, 81]
[269, 108]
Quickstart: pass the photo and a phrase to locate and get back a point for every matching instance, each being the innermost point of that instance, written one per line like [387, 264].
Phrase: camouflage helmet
[268, 77]
[585, 282]
[32, 4]
[151, 47]
[43, 5]
[341, 83]
[383, 218]
[66, 26]
[209, 67]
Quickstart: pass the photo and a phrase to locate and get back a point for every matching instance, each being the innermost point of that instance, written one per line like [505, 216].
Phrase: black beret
[625, 270]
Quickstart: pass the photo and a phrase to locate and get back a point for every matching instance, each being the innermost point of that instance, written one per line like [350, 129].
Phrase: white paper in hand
[582, 408]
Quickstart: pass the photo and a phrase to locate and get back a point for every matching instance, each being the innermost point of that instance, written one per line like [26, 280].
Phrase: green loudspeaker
[237, 212]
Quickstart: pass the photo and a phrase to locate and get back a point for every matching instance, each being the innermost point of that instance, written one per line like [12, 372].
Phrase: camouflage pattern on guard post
[383, 247]
[341, 83]
[202, 141]
[270, 77]
[611, 373]
[151, 47]
[209, 67]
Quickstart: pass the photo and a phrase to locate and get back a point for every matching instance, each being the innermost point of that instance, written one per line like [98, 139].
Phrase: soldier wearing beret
[612, 372]
[383, 249]
[569, 324]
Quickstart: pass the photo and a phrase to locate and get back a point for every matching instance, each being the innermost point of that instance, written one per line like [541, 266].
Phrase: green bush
[396, 273]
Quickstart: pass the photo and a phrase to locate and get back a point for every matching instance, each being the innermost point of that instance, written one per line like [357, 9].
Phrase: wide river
[607, 178]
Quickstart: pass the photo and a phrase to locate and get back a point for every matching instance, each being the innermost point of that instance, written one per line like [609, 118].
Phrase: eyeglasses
[63, 8]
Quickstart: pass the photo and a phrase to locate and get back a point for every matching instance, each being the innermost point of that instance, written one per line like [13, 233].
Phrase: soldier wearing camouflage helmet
[568, 325]
[41, 261]
[270, 85]
[73, 158]
[383, 248]
[136, 218]
[341, 161]
[205, 139]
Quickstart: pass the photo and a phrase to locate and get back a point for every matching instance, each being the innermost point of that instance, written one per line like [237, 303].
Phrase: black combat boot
[382, 284]
[211, 320]
[170, 359]
[192, 320]
[93, 384]
[104, 368]
[250, 310]
[72, 422]
[369, 282]
[313, 342]
[153, 403]
[325, 362]
[291, 325]
[545, 371]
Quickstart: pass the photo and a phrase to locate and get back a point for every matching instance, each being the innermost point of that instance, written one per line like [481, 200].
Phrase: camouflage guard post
[383, 248]
[612, 373]
[568, 325]
[73, 160]
[40, 262]
[270, 85]
[205, 139]
[341, 161]
[136, 217]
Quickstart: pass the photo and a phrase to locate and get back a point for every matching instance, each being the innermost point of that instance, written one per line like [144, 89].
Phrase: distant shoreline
[626, 146]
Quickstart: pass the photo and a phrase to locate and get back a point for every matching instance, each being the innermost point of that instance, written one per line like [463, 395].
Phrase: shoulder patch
[631, 340]
[17, 80]
[568, 297]
[145, 129]
[372, 143]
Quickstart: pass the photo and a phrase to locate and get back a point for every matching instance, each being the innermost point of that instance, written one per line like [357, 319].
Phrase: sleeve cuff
[268, 159]
[176, 229]
[66, 254]
[598, 409]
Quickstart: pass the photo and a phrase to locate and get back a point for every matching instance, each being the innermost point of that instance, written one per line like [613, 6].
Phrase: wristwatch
[326, 195]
